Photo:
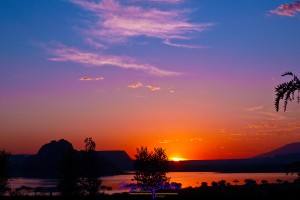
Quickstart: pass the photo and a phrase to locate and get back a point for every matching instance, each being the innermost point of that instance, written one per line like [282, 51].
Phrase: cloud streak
[168, 42]
[196, 140]
[152, 88]
[135, 85]
[289, 10]
[255, 108]
[64, 53]
[166, 141]
[271, 126]
[117, 23]
[91, 79]
[139, 84]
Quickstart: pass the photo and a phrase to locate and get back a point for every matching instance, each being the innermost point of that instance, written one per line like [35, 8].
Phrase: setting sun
[177, 159]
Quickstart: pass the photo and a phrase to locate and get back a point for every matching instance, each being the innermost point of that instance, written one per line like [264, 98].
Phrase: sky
[195, 77]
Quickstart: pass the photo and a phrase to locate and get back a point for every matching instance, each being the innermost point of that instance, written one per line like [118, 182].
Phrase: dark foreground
[264, 191]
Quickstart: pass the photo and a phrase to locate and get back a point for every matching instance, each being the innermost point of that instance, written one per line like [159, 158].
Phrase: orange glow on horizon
[177, 159]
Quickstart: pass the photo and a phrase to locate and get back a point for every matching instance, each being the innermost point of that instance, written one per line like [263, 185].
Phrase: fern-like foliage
[286, 91]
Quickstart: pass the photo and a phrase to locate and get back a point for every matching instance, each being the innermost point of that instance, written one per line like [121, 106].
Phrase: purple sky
[194, 77]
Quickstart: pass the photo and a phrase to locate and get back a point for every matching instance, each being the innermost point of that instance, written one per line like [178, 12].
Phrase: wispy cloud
[196, 139]
[271, 126]
[168, 42]
[273, 116]
[95, 43]
[117, 23]
[64, 53]
[263, 125]
[165, 141]
[255, 108]
[171, 89]
[99, 78]
[152, 88]
[268, 123]
[85, 79]
[259, 112]
[91, 79]
[139, 84]
[135, 85]
[264, 115]
[289, 9]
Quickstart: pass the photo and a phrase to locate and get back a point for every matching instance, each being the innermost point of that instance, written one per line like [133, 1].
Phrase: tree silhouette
[4, 172]
[90, 183]
[151, 167]
[250, 182]
[236, 181]
[204, 184]
[222, 183]
[69, 175]
[294, 168]
[286, 91]
[90, 145]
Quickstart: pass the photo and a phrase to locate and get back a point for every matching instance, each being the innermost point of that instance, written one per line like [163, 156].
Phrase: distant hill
[293, 148]
[48, 159]
[119, 158]
[46, 163]
[55, 149]
[273, 161]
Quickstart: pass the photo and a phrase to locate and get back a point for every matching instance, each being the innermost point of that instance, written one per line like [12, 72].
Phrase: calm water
[185, 178]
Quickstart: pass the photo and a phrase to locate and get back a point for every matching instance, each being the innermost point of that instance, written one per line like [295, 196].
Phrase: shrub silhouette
[4, 172]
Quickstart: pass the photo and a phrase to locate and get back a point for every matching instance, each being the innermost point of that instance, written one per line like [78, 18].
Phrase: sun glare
[177, 159]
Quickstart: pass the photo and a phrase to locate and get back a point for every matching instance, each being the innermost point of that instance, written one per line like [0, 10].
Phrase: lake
[187, 179]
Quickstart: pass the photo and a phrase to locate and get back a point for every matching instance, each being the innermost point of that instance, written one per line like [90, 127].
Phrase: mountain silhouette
[273, 161]
[48, 159]
[55, 149]
[289, 149]
[47, 162]
[119, 158]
